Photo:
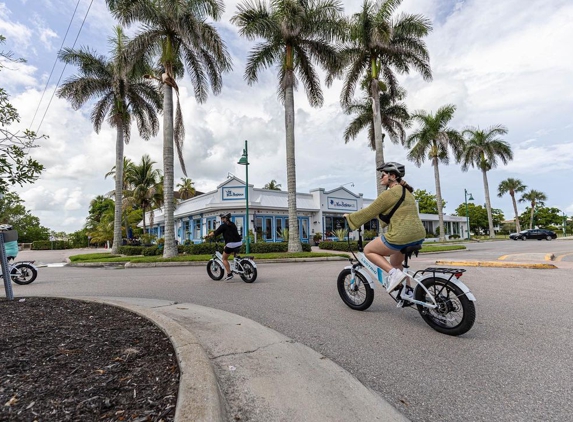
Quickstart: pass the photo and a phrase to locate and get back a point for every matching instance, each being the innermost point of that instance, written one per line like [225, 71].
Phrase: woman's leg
[376, 251]
[226, 262]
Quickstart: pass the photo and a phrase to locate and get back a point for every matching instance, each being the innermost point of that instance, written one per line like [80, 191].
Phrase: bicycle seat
[411, 250]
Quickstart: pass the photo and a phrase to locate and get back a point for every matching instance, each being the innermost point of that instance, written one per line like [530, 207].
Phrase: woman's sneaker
[229, 277]
[395, 279]
[408, 293]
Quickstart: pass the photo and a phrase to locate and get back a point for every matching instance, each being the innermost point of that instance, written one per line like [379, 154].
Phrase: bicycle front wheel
[249, 274]
[455, 314]
[357, 295]
[215, 270]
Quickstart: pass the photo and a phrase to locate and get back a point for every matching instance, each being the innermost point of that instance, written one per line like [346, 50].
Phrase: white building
[319, 211]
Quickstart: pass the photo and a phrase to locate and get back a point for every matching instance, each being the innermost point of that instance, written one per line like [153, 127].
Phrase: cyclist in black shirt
[233, 240]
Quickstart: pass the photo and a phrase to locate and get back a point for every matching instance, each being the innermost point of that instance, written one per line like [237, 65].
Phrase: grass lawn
[108, 257]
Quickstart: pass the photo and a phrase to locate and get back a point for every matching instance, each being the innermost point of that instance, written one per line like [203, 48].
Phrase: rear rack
[455, 272]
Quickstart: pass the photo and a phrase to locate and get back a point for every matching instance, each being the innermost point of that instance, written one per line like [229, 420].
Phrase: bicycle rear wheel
[357, 295]
[249, 274]
[23, 274]
[455, 314]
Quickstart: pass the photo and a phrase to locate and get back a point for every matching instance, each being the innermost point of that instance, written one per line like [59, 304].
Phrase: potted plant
[317, 237]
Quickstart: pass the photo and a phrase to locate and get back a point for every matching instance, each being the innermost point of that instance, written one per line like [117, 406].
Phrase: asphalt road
[515, 364]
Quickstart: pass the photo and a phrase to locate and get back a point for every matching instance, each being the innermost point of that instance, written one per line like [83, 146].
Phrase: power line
[55, 61]
[62, 74]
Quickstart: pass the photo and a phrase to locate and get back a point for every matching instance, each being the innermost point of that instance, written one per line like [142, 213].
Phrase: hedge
[340, 246]
[44, 245]
[209, 248]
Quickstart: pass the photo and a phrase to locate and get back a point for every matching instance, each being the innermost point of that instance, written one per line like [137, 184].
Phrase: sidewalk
[233, 368]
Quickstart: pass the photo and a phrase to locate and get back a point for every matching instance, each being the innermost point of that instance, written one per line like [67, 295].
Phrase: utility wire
[55, 61]
[62, 74]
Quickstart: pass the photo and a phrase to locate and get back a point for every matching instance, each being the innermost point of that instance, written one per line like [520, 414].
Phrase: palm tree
[186, 188]
[179, 33]
[273, 185]
[512, 186]
[534, 197]
[127, 203]
[433, 140]
[380, 45]
[482, 150]
[122, 95]
[394, 118]
[296, 33]
[143, 182]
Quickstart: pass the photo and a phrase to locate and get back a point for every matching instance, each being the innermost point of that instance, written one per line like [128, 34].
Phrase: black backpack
[386, 218]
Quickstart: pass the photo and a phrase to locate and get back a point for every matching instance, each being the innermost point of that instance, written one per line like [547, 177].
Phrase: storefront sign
[233, 193]
[342, 204]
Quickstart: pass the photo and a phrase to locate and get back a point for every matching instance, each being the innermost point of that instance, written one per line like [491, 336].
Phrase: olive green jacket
[405, 225]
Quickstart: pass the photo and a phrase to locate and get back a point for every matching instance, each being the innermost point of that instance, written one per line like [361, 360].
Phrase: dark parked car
[538, 234]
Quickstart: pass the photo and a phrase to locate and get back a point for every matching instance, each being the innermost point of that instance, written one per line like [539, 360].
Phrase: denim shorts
[399, 247]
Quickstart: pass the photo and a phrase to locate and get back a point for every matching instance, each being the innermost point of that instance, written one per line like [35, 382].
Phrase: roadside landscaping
[108, 257]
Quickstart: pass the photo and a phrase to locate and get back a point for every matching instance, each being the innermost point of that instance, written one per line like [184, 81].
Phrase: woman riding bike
[233, 240]
[396, 208]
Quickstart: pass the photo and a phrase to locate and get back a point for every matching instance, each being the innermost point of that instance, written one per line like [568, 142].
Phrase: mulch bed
[67, 360]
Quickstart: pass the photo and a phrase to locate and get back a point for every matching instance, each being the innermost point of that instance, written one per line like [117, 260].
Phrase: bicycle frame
[371, 271]
[235, 263]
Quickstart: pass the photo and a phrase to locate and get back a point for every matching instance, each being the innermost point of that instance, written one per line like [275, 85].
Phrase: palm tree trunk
[378, 136]
[488, 205]
[439, 199]
[293, 236]
[169, 247]
[531, 218]
[118, 189]
[517, 225]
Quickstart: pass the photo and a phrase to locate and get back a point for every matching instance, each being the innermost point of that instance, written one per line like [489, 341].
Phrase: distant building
[317, 211]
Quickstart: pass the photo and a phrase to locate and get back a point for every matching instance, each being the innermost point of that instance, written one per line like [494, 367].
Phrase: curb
[498, 264]
[199, 397]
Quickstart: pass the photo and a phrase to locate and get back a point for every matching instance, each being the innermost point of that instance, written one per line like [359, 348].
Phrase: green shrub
[454, 236]
[131, 250]
[44, 245]
[339, 246]
[208, 248]
[152, 250]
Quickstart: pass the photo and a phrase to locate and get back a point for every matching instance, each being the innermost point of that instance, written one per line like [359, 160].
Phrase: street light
[244, 161]
[471, 198]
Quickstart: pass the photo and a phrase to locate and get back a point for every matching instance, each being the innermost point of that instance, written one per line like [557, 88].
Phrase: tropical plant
[482, 150]
[295, 34]
[427, 203]
[186, 188]
[340, 234]
[534, 197]
[272, 185]
[433, 140]
[122, 95]
[393, 115]
[512, 186]
[379, 45]
[143, 182]
[179, 34]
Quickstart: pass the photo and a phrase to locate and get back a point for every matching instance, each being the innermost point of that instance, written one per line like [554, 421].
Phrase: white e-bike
[444, 302]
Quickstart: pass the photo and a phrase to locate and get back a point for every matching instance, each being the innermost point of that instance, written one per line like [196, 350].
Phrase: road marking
[549, 257]
[497, 264]
[560, 257]
[501, 258]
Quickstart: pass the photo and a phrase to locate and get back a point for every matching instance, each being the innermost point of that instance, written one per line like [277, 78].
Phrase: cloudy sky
[499, 62]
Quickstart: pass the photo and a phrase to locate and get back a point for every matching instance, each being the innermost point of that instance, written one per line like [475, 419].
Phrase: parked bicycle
[443, 301]
[243, 265]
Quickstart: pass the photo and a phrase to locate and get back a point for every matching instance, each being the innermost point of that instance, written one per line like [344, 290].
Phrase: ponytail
[406, 185]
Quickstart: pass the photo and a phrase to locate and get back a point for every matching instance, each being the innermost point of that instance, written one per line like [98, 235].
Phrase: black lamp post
[244, 161]
[471, 198]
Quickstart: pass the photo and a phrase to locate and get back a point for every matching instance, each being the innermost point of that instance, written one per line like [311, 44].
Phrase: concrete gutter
[498, 264]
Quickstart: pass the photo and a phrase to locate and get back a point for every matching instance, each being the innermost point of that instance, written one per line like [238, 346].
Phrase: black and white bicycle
[444, 302]
[244, 266]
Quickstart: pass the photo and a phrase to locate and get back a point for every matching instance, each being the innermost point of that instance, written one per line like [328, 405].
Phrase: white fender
[455, 281]
[364, 272]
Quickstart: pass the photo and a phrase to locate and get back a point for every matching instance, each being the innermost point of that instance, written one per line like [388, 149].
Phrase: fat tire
[250, 269]
[27, 274]
[216, 272]
[368, 292]
[468, 307]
